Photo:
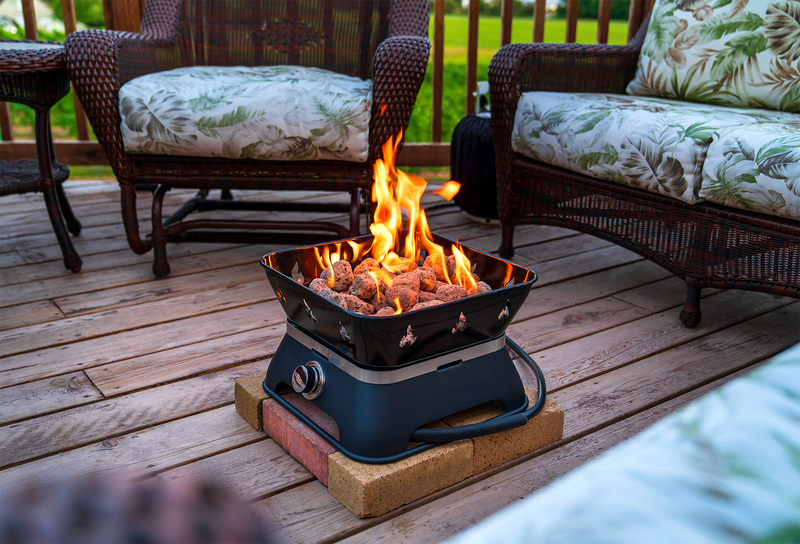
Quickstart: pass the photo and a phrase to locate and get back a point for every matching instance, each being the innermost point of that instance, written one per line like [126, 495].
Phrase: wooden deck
[113, 371]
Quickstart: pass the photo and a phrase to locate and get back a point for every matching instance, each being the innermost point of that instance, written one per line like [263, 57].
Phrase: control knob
[308, 379]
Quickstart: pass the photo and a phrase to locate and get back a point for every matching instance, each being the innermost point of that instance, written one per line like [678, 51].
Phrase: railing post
[506, 17]
[70, 25]
[438, 68]
[636, 15]
[29, 15]
[603, 20]
[572, 21]
[539, 14]
[123, 14]
[472, 55]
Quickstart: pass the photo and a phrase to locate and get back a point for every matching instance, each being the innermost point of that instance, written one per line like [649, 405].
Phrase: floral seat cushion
[739, 53]
[655, 144]
[756, 167]
[239, 112]
[725, 469]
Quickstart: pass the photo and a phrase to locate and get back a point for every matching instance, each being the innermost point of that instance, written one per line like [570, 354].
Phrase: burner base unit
[377, 411]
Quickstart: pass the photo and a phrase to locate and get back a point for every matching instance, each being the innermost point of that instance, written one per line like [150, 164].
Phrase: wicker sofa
[706, 244]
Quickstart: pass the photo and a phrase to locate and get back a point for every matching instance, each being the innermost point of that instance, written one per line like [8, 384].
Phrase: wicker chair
[382, 40]
[705, 244]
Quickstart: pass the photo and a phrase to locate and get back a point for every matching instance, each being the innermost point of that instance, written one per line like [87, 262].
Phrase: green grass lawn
[455, 63]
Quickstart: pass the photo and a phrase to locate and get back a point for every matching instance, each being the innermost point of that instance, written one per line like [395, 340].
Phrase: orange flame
[399, 309]
[448, 190]
[400, 229]
[463, 268]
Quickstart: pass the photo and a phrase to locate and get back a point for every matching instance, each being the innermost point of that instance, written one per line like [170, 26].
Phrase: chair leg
[690, 314]
[44, 153]
[506, 250]
[72, 261]
[161, 267]
[73, 225]
[355, 211]
[226, 195]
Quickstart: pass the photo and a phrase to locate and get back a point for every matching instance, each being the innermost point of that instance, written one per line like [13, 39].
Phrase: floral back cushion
[726, 52]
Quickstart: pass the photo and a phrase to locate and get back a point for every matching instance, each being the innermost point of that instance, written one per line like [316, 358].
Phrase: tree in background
[588, 9]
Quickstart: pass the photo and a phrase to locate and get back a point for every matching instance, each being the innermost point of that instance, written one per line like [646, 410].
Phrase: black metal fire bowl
[375, 342]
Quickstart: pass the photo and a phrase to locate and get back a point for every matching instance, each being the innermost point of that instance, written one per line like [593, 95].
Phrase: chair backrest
[340, 35]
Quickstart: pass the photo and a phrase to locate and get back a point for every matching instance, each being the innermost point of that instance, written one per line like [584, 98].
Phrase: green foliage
[588, 9]
[88, 12]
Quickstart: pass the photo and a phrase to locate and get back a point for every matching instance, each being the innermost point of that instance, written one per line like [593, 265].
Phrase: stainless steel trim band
[401, 374]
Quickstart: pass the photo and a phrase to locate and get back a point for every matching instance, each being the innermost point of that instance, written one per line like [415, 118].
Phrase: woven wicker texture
[378, 39]
[37, 77]
[704, 244]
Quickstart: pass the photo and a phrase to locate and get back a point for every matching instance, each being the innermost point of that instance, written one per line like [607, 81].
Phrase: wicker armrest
[92, 65]
[522, 67]
[398, 69]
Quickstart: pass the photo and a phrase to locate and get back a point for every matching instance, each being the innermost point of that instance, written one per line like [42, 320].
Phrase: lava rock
[402, 265]
[364, 286]
[333, 296]
[428, 304]
[341, 278]
[403, 294]
[425, 296]
[385, 311]
[449, 293]
[378, 301]
[317, 285]
[355, 304]
[367, 265]
[434, 261]
[410, 279]
[427, 278]
[478, 288]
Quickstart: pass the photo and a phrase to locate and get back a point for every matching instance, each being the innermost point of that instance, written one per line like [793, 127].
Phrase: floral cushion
[725, 469]
[735, 52]
[756, 167]
[654, 144]
[238, 112]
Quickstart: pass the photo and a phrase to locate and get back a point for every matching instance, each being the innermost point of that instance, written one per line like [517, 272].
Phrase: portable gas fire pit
[381, 377]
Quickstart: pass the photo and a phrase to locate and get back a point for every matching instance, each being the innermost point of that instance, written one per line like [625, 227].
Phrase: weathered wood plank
[573, 245]
[630, 342]
[45, 396]
[253, 472]
[549, 330]
[10, 258]
[186, 361]
[244, 311]
[28, 314]
[106, 261]
[79, 426]
[457, 511]
[240, 266]
[139, 454]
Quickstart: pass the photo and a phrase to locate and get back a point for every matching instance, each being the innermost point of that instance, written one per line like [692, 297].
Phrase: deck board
[112, 371]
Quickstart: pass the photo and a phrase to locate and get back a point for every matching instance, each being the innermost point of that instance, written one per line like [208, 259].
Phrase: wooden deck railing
[126, 15]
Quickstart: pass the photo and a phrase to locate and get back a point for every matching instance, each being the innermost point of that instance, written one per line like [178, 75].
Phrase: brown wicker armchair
[382, 40]
[704, 244]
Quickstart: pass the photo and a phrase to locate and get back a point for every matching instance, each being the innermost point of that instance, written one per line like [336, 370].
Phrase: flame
[463, 268]
[399, 309]
[400, 228]
[448, 190]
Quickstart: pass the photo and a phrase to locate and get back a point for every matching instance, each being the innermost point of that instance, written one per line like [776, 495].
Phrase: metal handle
[434, 437]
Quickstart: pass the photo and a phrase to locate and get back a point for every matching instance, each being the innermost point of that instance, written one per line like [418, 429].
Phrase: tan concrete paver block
[305, 445]
[495, 449]
[249, 396]
[372, 490]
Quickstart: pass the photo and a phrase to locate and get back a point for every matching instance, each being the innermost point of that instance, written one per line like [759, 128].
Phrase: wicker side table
[34, 74]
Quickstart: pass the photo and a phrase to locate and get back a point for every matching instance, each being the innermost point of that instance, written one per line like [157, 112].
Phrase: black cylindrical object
[472, 165]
